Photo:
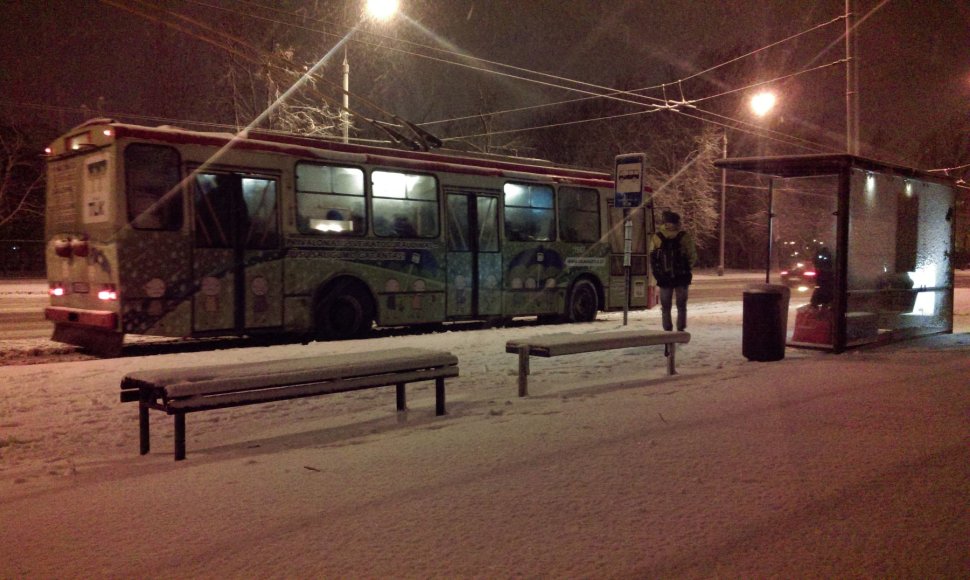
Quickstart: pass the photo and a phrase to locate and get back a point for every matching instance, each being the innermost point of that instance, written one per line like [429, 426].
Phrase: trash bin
[764, 325]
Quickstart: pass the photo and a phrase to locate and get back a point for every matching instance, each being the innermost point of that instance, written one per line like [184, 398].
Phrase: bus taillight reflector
[108, 292]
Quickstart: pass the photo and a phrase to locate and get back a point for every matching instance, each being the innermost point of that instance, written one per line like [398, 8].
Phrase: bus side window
[529, 212]
[152, 189]
[579, 214]
[405, 205]
[213, 211]
[260, 198]
[330, 200]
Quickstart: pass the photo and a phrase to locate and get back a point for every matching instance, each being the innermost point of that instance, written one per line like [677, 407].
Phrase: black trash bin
[764, 326]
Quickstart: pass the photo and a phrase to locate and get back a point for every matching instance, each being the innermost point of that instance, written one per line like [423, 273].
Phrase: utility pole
[720, 264]
[345, 113]
[851, 81]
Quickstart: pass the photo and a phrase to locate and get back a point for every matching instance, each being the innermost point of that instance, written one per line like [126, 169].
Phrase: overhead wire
[654, 87]
[668, 104]
[947, 170]
[157, 119]
[262, 58]
[760, 131]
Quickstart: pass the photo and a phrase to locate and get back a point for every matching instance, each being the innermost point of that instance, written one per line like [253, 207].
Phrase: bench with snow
[184, 390]
[562, 344]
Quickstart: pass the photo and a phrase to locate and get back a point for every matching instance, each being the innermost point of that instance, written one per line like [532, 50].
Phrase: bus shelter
[879, 239]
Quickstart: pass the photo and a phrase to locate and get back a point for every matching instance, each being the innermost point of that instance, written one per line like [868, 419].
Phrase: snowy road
[818, 465]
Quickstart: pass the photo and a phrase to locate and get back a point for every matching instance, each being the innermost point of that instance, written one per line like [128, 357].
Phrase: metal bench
[184, 390]
[562, 344]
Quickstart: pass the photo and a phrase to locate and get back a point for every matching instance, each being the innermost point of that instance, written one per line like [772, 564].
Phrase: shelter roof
[818, 164]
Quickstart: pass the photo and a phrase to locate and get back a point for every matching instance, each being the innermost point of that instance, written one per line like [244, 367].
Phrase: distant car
[800, 276]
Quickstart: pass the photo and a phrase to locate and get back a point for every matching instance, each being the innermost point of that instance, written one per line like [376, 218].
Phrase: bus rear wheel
[345, 312]
[583, 302]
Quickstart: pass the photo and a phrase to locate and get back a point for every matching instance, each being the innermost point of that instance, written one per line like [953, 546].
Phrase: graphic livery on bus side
[169, 232]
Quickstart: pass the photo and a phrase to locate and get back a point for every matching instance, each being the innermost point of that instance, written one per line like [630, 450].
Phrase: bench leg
[523, 371]
[179, 436]
[671, 352]
[439, 396]
[402, 404]
[143, 435]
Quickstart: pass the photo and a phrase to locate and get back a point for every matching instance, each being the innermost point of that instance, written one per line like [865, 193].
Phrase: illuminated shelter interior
[881, 240]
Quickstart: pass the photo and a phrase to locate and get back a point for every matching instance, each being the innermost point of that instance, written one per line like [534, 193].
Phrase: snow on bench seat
[567, 343]
[182, 390]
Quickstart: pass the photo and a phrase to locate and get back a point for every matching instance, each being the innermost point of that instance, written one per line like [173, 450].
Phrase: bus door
[474, 260]
[236, 260]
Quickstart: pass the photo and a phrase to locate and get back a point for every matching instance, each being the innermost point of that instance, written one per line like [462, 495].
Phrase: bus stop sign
[628, 180]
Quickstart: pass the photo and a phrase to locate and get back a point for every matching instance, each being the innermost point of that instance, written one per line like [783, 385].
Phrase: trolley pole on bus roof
[628, 185]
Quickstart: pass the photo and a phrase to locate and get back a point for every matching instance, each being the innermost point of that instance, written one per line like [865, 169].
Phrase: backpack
[670, 263]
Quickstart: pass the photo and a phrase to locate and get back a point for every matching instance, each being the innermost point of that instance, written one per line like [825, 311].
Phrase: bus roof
[297, 145]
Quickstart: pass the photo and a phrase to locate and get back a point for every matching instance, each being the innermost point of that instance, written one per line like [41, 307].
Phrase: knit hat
[669, 217]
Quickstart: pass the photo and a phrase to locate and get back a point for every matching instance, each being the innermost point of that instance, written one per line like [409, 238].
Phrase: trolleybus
[171, 232]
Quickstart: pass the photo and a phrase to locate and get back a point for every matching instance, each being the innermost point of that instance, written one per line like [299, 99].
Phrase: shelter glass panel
[899, 245]
[804, 252]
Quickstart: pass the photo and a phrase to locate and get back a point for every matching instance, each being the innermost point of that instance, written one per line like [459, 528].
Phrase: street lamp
[761, 104]
[381, 10]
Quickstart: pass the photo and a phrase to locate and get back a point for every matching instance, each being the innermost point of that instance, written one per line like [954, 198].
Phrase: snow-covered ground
[853, 465]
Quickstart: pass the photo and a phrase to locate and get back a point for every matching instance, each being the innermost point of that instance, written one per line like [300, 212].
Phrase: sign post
[628, 183]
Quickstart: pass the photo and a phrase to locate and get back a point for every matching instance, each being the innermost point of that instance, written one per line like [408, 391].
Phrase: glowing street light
[763, 103]
[382, 9]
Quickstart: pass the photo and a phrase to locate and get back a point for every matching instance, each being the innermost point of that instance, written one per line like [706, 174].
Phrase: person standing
[672, 258]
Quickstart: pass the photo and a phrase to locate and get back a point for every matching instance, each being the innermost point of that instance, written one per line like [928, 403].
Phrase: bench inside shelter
[178, 391]
[567, 343]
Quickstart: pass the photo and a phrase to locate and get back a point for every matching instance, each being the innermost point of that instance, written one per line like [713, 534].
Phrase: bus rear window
[529, 212]
[152, 187]
[330, 200]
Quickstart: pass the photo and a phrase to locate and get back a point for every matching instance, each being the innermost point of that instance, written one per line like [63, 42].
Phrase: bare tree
[21, 178]
[267, 58]
[682, 175]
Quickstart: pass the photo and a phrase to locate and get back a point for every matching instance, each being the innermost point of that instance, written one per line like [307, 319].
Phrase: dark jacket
[687, 248]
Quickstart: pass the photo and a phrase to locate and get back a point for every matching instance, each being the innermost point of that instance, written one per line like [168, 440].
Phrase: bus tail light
[108, 292]
[56, 289]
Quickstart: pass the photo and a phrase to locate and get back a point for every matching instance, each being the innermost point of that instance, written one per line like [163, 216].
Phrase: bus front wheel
[344, 313]
[583, 302]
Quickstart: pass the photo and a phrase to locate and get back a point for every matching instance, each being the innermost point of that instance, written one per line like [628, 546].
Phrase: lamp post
[345, 112]
[761, 104]
[851, 80]
[720, 263]
[380, 10]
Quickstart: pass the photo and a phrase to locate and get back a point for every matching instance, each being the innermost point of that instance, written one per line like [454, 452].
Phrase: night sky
[59, 55]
